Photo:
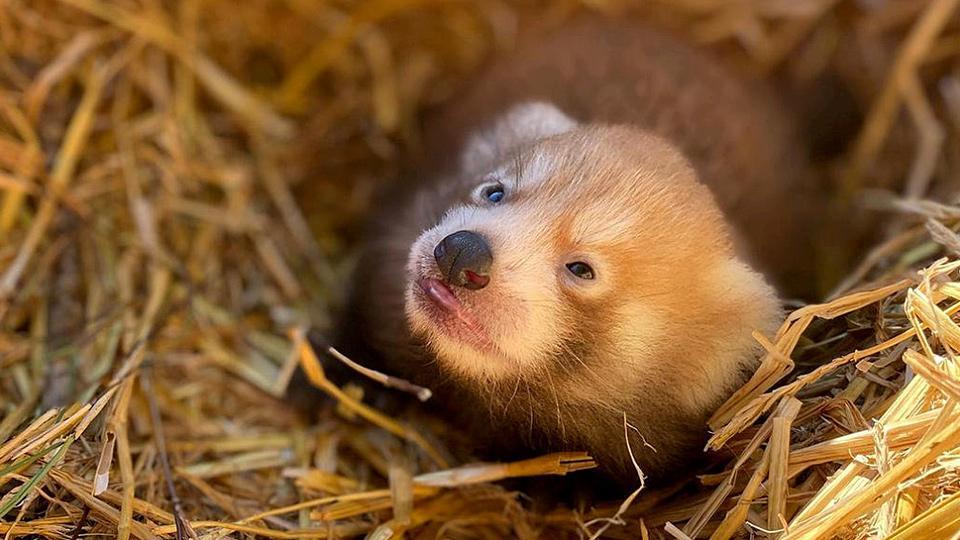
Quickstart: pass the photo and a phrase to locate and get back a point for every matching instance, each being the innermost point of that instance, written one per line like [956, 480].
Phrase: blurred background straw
[180, 188]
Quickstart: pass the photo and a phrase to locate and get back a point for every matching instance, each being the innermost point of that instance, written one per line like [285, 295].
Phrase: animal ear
[521, 125]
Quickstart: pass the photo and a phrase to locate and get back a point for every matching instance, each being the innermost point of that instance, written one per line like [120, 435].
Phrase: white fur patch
[522, 125]
[519, 309]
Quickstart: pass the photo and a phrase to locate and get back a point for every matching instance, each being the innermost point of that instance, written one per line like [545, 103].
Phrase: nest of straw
[178, 186]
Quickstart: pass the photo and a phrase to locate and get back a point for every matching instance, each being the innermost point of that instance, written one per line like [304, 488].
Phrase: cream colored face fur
[669, 298]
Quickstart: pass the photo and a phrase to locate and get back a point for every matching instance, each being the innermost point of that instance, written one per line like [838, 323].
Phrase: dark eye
[493, 193]
[580, 269]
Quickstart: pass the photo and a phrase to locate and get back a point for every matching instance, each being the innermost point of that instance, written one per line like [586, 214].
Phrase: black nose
[464, 259]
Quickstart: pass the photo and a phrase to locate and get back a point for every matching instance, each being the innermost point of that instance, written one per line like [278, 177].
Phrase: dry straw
[162, 166]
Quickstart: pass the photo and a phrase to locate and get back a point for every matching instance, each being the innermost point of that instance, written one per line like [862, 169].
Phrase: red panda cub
[595, 237]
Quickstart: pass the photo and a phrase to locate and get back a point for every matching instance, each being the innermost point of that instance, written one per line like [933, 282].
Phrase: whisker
[514, 394]
[530, 406]
[556, 399]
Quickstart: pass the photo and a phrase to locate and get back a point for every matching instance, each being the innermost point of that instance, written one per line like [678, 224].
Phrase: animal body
[598, 229]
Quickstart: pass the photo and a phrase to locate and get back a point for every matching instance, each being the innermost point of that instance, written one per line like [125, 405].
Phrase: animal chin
[450, 316]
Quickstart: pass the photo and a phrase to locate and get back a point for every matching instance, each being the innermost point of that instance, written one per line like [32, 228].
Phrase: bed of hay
[180, 184]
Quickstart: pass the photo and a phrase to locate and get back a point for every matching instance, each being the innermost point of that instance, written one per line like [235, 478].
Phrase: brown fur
[663, 335]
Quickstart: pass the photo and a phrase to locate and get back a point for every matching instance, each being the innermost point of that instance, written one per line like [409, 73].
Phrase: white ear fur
[523, 124]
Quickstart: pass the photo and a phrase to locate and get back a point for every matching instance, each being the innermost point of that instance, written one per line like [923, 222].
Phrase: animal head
[587, 250]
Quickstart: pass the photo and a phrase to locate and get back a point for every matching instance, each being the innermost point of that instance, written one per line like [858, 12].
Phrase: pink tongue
[440, 293]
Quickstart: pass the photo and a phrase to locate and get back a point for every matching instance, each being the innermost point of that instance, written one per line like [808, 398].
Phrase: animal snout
[464, 259]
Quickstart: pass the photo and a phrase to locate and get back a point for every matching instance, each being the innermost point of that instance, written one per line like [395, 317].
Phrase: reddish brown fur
[666, 335]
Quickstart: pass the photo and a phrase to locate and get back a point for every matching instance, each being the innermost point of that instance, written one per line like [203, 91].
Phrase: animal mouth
[450, 316]
[440, 294]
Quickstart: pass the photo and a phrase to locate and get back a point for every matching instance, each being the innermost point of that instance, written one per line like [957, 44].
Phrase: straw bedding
[179, 186]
